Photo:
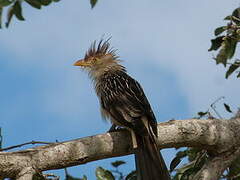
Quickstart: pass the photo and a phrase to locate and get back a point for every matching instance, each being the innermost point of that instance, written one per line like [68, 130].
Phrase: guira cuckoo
[124, 103]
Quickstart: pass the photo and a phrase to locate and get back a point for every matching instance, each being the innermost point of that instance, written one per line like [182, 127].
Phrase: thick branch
[218, 135]
[215, 166]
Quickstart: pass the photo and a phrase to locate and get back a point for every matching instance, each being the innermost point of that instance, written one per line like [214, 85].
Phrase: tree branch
[214, 168]
[216, 136]
[26, 174]
[24, 144]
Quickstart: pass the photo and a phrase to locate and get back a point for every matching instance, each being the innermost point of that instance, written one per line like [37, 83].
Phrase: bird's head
[99, 59]
[98, 55]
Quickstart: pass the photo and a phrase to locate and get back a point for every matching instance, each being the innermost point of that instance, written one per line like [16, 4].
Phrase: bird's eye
[95, 59]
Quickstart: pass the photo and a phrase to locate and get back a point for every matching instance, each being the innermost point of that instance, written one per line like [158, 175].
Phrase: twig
[19, 145]
[214, 107]
[231, 177]
[1, 138]
[118, 172]
[46, 176]
[237, 115]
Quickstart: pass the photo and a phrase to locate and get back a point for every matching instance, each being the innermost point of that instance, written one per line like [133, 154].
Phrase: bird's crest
[101, 49]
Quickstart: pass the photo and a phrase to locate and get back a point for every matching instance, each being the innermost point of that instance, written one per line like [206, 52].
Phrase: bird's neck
[97, 72]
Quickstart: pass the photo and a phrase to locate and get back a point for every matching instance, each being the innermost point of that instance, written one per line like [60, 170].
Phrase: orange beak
[82, 63]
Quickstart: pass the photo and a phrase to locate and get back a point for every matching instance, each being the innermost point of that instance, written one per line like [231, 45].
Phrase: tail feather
[150, 164]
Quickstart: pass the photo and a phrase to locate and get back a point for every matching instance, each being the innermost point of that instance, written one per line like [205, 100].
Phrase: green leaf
[132, 176]
[117, 163]
[194, 168]
[228, 17]
[232, 46]
[201, 114]
[234, 169]
[17, 9]
[4, 3]
[84, 177]
[180, 172]
[221, 57]
[227, 107]
[238, 76]
[187, 173]
[174, 163]
[220, 30]
[55, 0]
[236, 16]
[45, 2]
[34, 3]
[1, 138]
[69, 177]
[227, 50]
[232, 68]
[38, 176]
[236, 13]
[216, 43]
[192, 153]
[93, 3]
[1, 17]
[177, 159]
[103, 174]
[200, 160]
[9, 15]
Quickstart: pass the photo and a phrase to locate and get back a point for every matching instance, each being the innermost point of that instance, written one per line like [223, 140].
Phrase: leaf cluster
[225, 42]
[105, 174]
[14, 8]
[196, 158]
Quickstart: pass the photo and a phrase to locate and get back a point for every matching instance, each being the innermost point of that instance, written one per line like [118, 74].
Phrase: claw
[115, 128]
[112, 128]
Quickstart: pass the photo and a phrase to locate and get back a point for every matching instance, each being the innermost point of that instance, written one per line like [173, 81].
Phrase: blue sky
[163, 45]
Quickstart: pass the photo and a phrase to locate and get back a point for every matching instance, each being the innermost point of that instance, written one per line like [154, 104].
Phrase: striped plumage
[123, 102]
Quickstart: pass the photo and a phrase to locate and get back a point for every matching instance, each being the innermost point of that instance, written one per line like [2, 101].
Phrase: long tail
[150, 164]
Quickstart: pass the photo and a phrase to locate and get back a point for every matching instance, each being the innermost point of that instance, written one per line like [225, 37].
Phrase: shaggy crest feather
[101, 49]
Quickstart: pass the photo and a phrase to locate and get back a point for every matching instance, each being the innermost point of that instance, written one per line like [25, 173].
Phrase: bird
[125, 104]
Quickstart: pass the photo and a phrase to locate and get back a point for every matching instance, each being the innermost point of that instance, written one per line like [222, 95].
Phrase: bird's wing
[124, 99]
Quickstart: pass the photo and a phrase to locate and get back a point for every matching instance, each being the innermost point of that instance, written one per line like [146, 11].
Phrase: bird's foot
[112, 128]
[115, 128]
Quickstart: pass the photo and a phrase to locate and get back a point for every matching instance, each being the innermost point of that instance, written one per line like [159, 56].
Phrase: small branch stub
[26, 174]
